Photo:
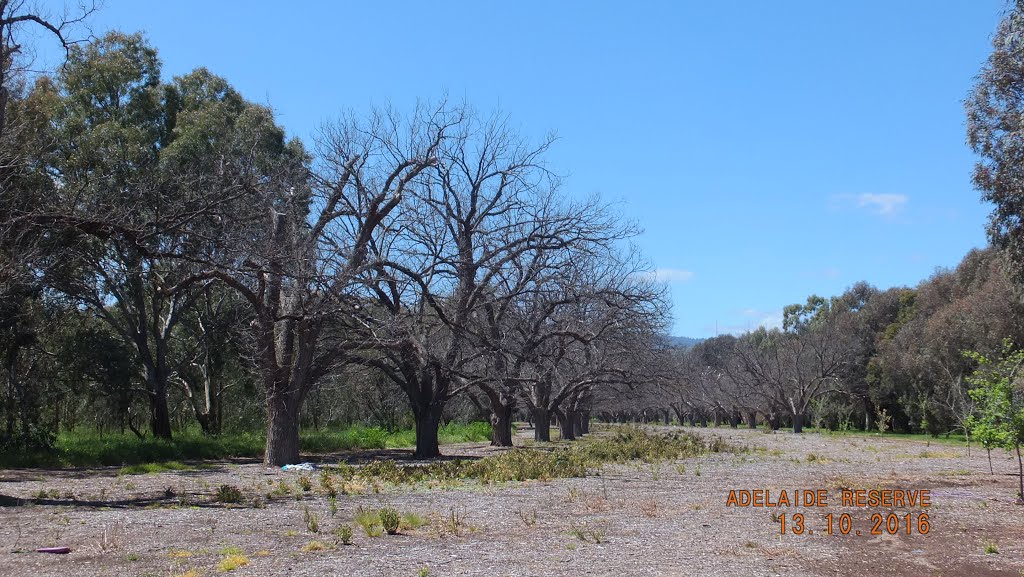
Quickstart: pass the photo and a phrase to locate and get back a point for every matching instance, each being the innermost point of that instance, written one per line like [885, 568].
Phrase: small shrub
[991, 549]
[454, 523]
[369, 521]
[412, 521]
[305, 483]
[389, 519]
[344, 534]
[332, 506]
[229, 494]
[312, 520]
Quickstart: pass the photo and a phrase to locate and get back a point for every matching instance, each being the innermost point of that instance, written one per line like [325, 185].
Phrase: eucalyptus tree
[995, 131]
[142, 171]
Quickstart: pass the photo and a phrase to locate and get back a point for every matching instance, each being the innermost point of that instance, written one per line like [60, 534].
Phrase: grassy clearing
[139, 456]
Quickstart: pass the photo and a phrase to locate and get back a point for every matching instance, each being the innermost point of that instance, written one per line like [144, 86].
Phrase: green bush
[389, 520]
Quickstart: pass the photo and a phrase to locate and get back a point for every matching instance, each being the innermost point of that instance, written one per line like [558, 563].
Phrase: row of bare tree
[173, 222]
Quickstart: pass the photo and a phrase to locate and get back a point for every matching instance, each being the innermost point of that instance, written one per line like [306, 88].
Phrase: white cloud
[672, 275]
[880, 204]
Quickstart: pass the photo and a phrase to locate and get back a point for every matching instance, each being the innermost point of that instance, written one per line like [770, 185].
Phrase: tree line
[868, 359]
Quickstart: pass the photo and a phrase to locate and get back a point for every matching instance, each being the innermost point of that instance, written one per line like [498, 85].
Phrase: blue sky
[770, 150]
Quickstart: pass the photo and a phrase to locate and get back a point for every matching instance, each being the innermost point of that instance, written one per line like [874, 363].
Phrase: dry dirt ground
[666, 520]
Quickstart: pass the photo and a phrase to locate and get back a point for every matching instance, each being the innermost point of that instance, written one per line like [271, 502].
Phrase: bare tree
[301, 273]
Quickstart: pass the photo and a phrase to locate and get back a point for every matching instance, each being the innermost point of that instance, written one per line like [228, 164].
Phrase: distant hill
[682, 342]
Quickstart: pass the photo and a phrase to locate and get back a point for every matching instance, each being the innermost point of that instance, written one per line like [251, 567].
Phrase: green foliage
[344, 534]
[369, 521]
[389, 520]
[229, 494]
[521, 464]
[82, 448]
[312, 520]
[999, 417]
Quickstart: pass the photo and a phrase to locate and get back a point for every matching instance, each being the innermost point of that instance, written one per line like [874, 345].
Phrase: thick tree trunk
[501, 425]
[752, 420]
[718, 418]
[773, 421]
[734, 419]
[541, 425]
[585, 422]
[565, 424]
[282, 433]
[161, 415]
[798, 422]
[428, 421]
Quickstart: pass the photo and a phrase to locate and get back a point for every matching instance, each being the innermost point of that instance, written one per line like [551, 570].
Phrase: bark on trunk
[577, 424]
[752, 420]
[734, 419]
[585, 422]
[798, 423]
[161, 415]
[565, 424]
[501, 425]
[282, 434]
[541, 425]
[428, 420]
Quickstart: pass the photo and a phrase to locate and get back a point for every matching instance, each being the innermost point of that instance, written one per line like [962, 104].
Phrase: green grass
[951, 439]
[140, 456]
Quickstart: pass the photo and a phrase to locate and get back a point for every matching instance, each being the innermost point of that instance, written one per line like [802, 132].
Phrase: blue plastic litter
[299, 467]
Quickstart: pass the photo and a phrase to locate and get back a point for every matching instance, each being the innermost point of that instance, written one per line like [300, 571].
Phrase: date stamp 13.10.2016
[875, 511]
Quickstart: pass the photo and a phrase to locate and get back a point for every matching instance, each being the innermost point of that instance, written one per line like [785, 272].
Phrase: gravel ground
[663, 520]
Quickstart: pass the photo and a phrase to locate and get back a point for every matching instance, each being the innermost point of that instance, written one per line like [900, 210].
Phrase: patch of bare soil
[646, 520]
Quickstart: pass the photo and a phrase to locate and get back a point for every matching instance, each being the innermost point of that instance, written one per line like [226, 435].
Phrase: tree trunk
[798, 423]
[1020, 478]
[718, 418]
[160, 415]
[565, 423]
[541, 425]
[585, 422]
[752, 420]
[577, 424]
[428, 421]
[501, 425]
[282, 433]
[734, 419]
